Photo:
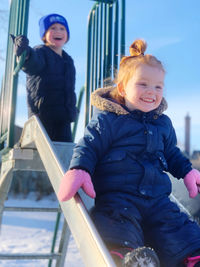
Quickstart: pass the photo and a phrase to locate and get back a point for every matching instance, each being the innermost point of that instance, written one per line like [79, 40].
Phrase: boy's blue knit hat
[46, 21]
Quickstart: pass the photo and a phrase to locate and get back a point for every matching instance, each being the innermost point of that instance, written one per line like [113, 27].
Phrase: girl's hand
[192, 182]
[72, 181]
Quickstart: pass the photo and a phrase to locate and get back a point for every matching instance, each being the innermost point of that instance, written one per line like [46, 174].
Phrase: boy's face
[144, 90]
[56, 35]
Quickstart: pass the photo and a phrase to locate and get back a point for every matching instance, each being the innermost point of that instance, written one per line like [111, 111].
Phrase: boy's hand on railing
[72, 181]
[21, 43]
[192, 182]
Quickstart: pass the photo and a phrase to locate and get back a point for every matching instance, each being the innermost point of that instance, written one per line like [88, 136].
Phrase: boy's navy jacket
[51, 83]
[129, 152]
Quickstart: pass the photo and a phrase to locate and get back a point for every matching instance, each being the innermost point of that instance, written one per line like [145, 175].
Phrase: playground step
[49, 256]
[26, 209]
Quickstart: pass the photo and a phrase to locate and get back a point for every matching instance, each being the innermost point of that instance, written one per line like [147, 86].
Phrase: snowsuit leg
[171, 233]
[152, 222]
[116, 227]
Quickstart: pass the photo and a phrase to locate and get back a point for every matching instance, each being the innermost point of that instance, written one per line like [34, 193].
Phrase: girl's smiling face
[144, 90]
[56, 36]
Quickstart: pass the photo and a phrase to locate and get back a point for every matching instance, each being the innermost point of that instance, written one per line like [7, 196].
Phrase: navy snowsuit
[51, 90]
[128, 154]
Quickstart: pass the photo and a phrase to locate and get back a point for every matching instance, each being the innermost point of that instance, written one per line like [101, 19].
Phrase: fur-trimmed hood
[101, 99]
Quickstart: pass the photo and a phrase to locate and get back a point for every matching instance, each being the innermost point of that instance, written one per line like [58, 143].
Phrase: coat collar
[101, 100]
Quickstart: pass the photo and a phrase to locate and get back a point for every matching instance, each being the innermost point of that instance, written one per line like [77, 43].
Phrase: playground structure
[36, 152]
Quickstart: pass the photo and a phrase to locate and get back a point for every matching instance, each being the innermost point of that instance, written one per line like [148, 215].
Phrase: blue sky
[171, 29]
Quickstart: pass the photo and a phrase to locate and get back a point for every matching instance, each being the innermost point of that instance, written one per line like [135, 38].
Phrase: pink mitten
[191, 261]
[72, 181]
[192, 182]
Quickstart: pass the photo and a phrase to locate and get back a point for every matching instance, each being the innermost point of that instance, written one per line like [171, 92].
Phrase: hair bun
[138, 47]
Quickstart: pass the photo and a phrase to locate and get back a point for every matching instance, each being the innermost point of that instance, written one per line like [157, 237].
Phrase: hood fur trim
[100, 98]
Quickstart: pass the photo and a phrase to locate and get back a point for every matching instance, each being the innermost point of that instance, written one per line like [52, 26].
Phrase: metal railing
[18, 24]
[105, 45]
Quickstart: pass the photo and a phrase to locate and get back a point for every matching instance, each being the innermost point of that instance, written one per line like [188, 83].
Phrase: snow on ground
[32, 232]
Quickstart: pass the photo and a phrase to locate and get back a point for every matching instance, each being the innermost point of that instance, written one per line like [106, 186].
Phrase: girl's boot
[139, 257]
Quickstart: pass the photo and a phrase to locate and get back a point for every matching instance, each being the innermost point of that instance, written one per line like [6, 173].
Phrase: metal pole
[122, 28]
[100, 47]
[116, 40]
[20, 27]
[109, 41]
[88, 68]
[55, 236]
[79, 108]
[104, 43]
[96, 47]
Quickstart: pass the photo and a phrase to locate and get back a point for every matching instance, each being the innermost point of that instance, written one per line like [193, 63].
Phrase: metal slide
[89, 243]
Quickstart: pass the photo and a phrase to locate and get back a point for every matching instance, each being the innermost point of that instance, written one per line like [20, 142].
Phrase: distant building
[195, 156]
[187, 135]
